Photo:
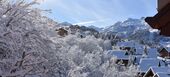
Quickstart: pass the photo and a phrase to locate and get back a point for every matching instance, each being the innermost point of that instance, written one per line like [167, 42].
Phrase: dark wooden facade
[162, 4]
[161, 20]
[164, 53]
[123, 62]
[62, 32]
[149, 73]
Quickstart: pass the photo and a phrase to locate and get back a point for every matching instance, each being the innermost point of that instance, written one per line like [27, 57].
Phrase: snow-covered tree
[86, 57]
[28, 49]
[23, 50]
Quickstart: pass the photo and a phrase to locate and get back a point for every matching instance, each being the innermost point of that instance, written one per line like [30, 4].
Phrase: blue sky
[100, 13]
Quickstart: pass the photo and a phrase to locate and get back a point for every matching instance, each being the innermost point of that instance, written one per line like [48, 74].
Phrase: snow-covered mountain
[135, 29]
[64, 24]
[132, 29]
[96, 28]
[128, 26]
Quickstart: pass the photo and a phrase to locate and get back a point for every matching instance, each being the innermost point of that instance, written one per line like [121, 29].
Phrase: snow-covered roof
[155, 70]
[119, 54]
[160, 69]
[152, 53]
[146, 63]
[139, 51]
[137, 58]
[164, 59]
[165, 44]
[162, 75]
[129, 44]
[167, 48]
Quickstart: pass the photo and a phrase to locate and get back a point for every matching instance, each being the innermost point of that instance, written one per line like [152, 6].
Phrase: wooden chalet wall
[164, 53]
[161, 20]
[162, 3]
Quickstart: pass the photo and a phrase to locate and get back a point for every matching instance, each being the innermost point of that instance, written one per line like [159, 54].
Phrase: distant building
[157, 71]
[130, 46]
[62, 32]
[146, 63]
[122, 57]
[162, 75]
[164, 53]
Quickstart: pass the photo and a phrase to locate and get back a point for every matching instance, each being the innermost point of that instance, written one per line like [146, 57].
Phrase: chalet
[122, 57]
[62, 32]
[126, 48]
[130, 46]
[164, 53]
[146, 63]
[152, 53]
[74, 28]
[156, 71]
[161, 19]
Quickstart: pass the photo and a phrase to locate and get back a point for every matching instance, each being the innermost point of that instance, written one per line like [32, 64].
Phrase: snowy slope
[136, 29]
[64, 24]
[128, 26]
[96, 28]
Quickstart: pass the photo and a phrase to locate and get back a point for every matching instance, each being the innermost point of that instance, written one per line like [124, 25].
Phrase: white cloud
[48, 2]
[89, 22]
[40, 1]
[84, 23]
